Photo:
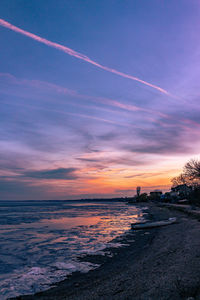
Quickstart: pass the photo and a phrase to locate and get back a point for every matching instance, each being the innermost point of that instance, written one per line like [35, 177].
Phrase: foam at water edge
[40, 244]
[99, 249]
[38, 279]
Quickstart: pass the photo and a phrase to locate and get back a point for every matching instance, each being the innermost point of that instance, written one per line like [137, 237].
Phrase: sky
[97, 97]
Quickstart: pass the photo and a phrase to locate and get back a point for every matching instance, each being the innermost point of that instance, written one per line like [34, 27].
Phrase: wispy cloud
[59, 173]
[85, 116]
[50, 87]
[78, 55]
[163, 140]
[163, 134]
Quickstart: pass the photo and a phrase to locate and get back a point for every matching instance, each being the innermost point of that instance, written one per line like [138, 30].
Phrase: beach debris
[147, 224]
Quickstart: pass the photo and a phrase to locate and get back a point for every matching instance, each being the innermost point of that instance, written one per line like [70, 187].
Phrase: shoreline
[161, 263]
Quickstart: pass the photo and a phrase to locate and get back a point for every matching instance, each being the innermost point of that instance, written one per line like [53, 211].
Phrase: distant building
[138, 189]
[155, 194]
[182, 190]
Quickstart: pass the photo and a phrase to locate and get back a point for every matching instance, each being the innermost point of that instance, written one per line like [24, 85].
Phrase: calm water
[40, 241]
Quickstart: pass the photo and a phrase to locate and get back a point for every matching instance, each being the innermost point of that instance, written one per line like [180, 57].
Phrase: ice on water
[40, 241]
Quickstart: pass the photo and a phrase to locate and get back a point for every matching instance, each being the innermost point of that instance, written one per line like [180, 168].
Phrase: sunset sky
[97, 97]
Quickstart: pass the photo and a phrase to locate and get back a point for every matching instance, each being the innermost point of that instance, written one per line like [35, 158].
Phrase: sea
[41, 241]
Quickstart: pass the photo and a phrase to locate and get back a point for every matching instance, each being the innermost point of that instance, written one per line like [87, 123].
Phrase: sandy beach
[161, 263]
[99, 132]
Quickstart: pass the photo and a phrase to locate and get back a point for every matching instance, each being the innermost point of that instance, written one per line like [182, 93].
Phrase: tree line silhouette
[190, 177]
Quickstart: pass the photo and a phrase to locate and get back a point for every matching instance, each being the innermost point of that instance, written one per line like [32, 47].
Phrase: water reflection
[35, 238]
[70, 222]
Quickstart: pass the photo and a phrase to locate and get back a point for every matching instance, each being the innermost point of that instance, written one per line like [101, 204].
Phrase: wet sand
[161, 263]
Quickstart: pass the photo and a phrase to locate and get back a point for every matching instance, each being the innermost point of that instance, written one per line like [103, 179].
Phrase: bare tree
[190, 175]
[192, 169]
[181, 179]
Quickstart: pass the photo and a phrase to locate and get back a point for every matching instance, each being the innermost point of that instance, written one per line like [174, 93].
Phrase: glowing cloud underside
[77, 55]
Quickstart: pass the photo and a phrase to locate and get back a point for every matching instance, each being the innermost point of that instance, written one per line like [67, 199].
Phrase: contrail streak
[78, 55]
